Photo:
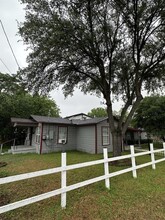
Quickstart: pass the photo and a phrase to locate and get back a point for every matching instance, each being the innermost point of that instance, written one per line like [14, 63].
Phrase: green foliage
[90, 42]
[15, 102]
[157, 145]
[98, 112]
[150, 115]
[8, 83]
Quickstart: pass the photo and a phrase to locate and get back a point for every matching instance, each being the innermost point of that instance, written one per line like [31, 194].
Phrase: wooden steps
[22, 149]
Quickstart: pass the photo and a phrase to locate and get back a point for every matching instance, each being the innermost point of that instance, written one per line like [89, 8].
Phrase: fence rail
[5, 143]
[64, 168]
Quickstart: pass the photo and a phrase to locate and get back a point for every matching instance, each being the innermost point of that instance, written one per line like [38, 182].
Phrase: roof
[23, 122]
[78, 115]
[51, 120]
[89, 121]
[35, 119]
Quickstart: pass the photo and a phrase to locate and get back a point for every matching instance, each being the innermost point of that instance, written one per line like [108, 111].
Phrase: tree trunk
[117, 143]
[115, 131]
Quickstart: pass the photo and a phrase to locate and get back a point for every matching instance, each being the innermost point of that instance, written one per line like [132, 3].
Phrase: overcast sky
[12, 11]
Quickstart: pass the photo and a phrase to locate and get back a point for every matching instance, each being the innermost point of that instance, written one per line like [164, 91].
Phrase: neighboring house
[144, 135]
[80, 116]
[77, 132]
[138, 136]
[132, 136]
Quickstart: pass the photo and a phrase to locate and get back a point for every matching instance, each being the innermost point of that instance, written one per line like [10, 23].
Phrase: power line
[5, 66]
[9, 44]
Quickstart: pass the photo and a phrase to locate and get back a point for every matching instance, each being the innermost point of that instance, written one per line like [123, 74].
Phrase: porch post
[41, 134]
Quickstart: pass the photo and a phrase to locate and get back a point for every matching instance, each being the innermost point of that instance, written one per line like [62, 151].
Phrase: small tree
[15, 102]
[98, 112]
[150, 115]
[114, 48]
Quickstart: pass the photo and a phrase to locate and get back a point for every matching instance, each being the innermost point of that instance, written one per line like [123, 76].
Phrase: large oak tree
[109, 47]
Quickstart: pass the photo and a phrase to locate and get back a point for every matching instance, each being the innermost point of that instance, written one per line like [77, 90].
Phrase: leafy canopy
[10, 84]
[96, 45]
[15, 102]
[150, 115]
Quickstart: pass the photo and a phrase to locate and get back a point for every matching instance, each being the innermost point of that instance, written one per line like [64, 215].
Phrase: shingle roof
[89, 121]
[22, 120]
[34, 119]
[51, 120]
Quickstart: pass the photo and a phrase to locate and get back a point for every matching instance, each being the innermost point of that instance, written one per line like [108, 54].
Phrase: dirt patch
[3, 164]
[3, 217]
[124, 162]
[4, 199]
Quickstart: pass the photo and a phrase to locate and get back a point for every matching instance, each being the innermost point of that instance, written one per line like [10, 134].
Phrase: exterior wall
[50, 139]
[86, 139]
[100, 145]
[71, 140]
[79, 138]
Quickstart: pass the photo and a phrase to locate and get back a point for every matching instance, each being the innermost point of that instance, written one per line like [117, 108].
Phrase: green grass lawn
[142, 198]
[157, 145]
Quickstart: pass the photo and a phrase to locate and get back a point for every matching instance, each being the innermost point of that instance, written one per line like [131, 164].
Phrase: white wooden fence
[64, 168]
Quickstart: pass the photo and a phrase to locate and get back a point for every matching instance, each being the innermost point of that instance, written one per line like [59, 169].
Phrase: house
[77, 132]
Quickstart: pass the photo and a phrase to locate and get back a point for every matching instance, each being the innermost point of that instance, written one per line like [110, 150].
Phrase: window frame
[58, 137]
[102, 136]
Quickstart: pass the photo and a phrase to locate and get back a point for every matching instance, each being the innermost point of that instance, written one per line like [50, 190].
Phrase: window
[38, 135]
[51, 134]
[62, 135]
[105, 136]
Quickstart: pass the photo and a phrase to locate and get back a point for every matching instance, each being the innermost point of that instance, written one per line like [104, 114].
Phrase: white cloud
[77, 103]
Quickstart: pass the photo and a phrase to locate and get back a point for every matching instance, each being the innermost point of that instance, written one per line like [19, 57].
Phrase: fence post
[106, 168]
[152, 156]
[164, 148]
[134, 172]
[63, 179]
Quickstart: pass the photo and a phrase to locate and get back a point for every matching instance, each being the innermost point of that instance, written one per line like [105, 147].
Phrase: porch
[22, 149]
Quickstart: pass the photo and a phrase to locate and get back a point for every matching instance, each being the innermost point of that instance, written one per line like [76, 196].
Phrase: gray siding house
[77, 132]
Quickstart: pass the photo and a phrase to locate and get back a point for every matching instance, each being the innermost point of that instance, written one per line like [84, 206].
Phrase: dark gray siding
[50, 144]
[86, 139]
[81, 138]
